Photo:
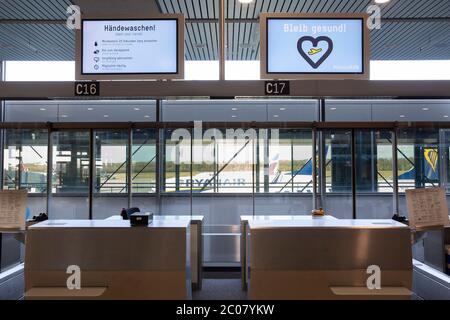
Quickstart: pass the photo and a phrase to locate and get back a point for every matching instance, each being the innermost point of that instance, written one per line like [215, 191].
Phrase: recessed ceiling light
[282, 109]
[381, 1]
[446, 116]
[64, 116]
[90, 109]
[245, 1]
[233, 109]
[233, 116]
[137, 109]
[105, 116]
[146, 116]
[275, 116]
[425, 109]
[402, 116]
[42, 109]
[333, 108]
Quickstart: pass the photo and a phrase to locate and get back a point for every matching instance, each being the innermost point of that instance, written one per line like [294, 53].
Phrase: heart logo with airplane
[315, 55]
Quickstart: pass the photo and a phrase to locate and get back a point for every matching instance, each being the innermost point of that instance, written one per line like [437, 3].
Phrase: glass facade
[70, 175]
[222, 169]
[25, 160]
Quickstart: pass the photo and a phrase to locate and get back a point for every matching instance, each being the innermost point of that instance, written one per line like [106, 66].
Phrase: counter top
[157, 223]
[287, 218]
[165, 218]
[326, 223]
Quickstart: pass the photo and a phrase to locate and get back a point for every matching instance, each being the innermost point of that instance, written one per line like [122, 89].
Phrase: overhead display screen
[314, 46]
[111, 47]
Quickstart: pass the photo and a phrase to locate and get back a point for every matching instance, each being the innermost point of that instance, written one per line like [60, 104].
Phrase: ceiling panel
[425, 40]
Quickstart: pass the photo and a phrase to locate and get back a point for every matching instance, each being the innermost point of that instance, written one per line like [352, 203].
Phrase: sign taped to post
[427, 207]
[12, 209]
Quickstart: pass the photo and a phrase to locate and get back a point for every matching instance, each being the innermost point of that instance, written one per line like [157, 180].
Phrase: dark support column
[354, 172]
[341, 155]
[418, 164]
[129, 179]
[49, 168]
[158, 159]
[257, 164]
[395, 170]
[366, 155]
[91, 170]
[314, 167]
[267, 138]
[322, 157]
[177, 166]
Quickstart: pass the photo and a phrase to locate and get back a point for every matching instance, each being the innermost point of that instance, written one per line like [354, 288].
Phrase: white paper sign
[12, 209]
[427, 207]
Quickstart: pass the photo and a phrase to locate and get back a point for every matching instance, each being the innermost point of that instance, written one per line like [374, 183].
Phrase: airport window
[374, 161]
[177, 161]
[25, 166]
[235, 158]
[25, 160]
[144, 158]
[70, 175]
[111, 166]
[418, 161]
[337, 167]
[111, 161]
[374, 175]
[284, 164]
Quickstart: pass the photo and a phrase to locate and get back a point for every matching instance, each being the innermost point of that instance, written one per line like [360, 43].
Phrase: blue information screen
[306, 45]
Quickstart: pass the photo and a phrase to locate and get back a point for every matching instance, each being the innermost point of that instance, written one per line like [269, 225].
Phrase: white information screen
[130, 46]
[306, 45]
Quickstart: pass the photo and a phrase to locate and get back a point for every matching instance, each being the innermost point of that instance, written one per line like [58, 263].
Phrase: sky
[235, 70]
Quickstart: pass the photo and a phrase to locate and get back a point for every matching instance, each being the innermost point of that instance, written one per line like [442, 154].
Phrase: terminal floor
[220, 286]
[227, 286]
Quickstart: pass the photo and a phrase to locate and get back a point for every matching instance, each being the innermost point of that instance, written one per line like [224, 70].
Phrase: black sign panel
[87, 88]
[277, 88]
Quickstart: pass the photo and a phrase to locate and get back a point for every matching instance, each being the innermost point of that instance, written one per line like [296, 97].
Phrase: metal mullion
[314, 167]
[158, 157]
[129, 179]
[443, 154]
[292, 163]
[353, 175]
[161, 167]
[253, 174]
[394, 134]
[92, 167]
[49, 168]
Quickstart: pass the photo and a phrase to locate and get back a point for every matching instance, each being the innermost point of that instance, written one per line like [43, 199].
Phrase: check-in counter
[244, 248]
[327, 258]
[116, 261]
[196, 245]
